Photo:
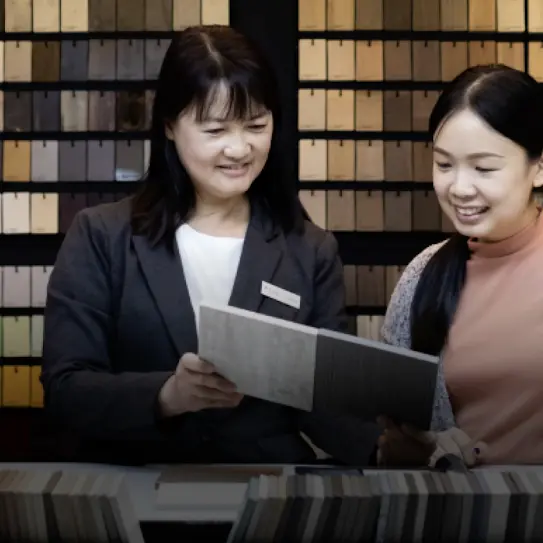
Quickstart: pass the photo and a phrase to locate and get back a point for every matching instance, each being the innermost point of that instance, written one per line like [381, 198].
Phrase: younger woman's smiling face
[483, 180]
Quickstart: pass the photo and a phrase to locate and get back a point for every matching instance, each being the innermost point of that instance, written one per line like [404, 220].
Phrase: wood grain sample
[312, 15]
[426, 15]
[369, 14]
[454, 14]
[510, 15]
[186, 13]
[369, 110]
[340, 15]
[341, 160]
[454, 59]
[482, 15]
[369, 60]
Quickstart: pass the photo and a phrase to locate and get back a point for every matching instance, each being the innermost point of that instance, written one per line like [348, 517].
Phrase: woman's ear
[168, 131]
[538, 179]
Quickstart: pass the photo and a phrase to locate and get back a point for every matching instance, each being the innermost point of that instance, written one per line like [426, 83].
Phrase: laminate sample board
[315, 369]
[268, 358]
[368, 378]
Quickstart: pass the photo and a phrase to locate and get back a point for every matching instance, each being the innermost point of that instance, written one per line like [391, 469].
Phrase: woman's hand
[196, 386]
[404, 445]
[408, 446]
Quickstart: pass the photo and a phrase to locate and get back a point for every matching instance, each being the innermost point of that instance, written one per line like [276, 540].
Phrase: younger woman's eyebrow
[482, 154]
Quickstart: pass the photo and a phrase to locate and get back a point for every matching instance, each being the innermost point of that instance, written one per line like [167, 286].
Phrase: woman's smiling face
[483, 180]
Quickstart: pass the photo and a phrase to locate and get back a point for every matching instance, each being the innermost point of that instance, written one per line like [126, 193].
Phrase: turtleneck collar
[510, 245]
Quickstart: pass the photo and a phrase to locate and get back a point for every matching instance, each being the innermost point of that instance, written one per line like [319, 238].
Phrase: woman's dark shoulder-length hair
[197, 63]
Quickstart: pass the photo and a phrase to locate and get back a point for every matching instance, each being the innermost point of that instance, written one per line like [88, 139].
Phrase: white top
[210, 264]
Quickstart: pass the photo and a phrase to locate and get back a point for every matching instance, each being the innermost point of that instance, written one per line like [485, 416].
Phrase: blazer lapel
[164, 274]
[260, 257]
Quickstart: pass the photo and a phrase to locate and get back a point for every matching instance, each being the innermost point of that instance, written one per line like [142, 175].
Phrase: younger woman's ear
[538, 179]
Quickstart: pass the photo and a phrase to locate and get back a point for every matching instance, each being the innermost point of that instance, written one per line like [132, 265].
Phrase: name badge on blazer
[280, 294]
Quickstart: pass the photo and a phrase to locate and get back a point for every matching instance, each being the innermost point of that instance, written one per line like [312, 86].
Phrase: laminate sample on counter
[265, 357]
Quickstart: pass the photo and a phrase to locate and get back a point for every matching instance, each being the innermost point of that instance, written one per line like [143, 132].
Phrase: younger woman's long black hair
[511, 102]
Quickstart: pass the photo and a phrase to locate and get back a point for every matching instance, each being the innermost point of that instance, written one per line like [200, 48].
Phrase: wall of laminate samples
[76, 85]
[369, 73]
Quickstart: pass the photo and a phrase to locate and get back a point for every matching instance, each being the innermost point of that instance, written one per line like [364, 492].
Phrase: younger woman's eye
[443, 165]
[214, 131]
[257, 126]
[485, 170]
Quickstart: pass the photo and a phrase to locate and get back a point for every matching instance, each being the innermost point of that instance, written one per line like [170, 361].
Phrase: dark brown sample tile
[341, 210]
[101, 161]
[18, 111]
[131, 14]
[102, 59]
[69, 206]
[45, 61]
[149, 101]
[46, 111]
[130, 110]
[72, 161]
[422, 161]
[129, 160]
[74, 60]
[426, 211]
[398, 211]
[159, 15]
[102, 15]
[397, 111]
[426, 15]
[369, 14]
[349, 277]
[130, 59]
[371, 286]
[397, 14]
[154, 55]
[397, 56]
[369, 211]
[423, 103]
[398, 161]
[454, 59]
[426, 61]
[102, 111]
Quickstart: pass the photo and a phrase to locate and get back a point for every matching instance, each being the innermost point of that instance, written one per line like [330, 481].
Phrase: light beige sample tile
[256, 352]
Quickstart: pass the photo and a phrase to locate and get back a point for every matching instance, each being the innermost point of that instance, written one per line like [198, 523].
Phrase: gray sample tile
[267, 358]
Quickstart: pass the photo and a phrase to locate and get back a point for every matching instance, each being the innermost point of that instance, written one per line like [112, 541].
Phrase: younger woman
[477, 299]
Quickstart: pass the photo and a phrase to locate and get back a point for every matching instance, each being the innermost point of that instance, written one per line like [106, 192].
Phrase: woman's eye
[214, 130]
[443, 165]
[257, 126]
[485, 170]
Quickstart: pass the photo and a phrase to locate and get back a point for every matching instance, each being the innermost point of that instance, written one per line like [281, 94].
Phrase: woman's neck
[227, 218]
